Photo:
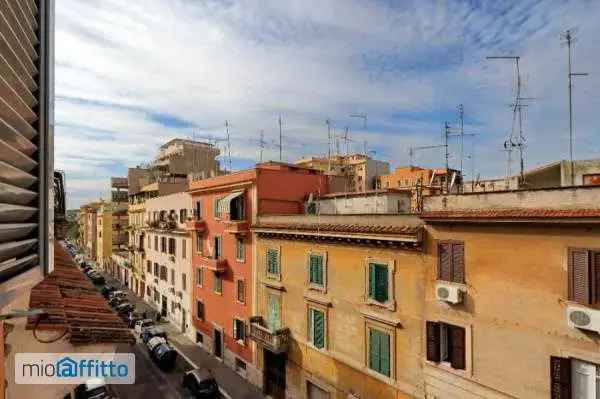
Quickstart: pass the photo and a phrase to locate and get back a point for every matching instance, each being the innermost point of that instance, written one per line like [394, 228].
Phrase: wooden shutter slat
[579, 278]
[560, 378]
[18, 29]
[458, 262]
[433, 341]
[374, 350]
[595, 267]
[457, 341]
[11, 37]
[445, 261]
[384, 353]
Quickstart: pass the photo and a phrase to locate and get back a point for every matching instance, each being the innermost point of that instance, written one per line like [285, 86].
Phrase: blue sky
[136, 74]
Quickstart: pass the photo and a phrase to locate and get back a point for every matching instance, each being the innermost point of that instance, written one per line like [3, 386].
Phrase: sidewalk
[231, 384]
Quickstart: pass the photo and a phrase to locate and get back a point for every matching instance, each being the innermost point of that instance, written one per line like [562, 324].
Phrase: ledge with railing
[275, 341]
[213, 264]
[237, 226]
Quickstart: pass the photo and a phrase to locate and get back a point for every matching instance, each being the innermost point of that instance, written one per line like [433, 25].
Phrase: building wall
[377, 203]
[341, 368]
[104, 237]
[515, 309]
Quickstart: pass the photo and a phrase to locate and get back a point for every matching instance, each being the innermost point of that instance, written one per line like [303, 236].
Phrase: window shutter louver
[595, 257]
[458, 347]
[579, 276]
[371, 281]
[22, 129]
[318, 329]
[445, 261]
[384, 354]
[433, 341]
[560, 378]
[458, 263]
[374, 350]
[381, 283]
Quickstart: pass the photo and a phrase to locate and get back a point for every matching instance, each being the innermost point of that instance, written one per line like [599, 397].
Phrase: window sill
[218, 293]
[322, 350]
[274, 284]
[317, 287]
[444, 366]
[389, 305]
[276, 277]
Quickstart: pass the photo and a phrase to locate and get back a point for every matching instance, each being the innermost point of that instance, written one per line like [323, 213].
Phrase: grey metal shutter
[25, 150]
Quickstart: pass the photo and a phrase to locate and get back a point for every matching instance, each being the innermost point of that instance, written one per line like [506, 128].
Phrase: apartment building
[88, 228]
[339, 305]
[181, 157]
[348, 173]
[167, 277]
[223, 255]
[511, 297]
[111, 226]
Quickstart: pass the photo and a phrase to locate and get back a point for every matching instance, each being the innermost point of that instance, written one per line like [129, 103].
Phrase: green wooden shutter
[316, 269]
[273, 319]
[374, 360]
[381, 283]
[384, 354]
[318, 328]
[371, 280]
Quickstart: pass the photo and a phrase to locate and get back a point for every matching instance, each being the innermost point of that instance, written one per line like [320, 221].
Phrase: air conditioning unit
[448, 293]
[583, 318]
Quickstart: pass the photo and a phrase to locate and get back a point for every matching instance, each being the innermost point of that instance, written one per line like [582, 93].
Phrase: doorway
[274, 375]
[218, 343]
[163, 311]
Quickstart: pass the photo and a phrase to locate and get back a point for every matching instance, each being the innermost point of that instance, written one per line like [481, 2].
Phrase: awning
[225, 202]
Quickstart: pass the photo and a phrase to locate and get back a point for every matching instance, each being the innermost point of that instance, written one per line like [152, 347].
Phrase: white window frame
[391, 331]
[309, 333]
[390, 304]
[199, 281]
[313, 286]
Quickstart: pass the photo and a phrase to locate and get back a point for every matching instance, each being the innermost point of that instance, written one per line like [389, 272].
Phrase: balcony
[275, 341]
[194, 224]
[215, 265]
[237, 226]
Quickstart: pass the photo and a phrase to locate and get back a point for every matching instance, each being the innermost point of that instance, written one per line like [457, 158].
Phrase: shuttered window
[315, 269]
[217, 250]
[239, 330]
[272, 261]
[239, 249]
[241, 291]
[446, 343]
[199, 277]
[379, 351]
[584, 276]
[451, 262]
[378, 282]
[199, 310]
[26, 169]
[316, 328]
[217, 284]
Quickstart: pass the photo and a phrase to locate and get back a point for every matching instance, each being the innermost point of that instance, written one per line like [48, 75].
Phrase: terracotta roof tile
[534, 213]
[73, 303]
[342, 228]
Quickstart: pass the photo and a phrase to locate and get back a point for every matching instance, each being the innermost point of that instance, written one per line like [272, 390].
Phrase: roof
[366, 193]
[350, 230]
[512, 213]
[73, 303]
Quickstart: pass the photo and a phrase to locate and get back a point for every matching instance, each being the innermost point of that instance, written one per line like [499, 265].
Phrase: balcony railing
[194, 224]
[275, 341]
[215, 265]
[237, 226]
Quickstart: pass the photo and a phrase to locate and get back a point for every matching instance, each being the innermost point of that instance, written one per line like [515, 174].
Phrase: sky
[131, 75]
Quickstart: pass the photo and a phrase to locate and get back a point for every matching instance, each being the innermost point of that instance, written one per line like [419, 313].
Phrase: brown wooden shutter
[433, 341]
[457, 340]
[458, 262]
[560, 378]
[445, 261]
[595, 258]
[579, 276]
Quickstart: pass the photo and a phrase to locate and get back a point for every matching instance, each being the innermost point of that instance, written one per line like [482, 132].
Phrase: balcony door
[274, 312]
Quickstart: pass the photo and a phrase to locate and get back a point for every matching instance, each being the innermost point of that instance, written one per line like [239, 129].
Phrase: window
[216, 210]
[584, 276]
[451, 262]
[199, 310]
[163, 245]
[163, 273]
[156, 270]
[148, 291]
[239, 330]
[217, 247]
[241, 291]
[239, 249]
[446, 344]
[574, 378]
[149, 267]
[316, 270]
[183, 248]
[183, 282]
[156, 243]
[217, 284]
[172, 276]
[272, 261]
[316, 328]
[149, 242]
[274, 312]
[172, 246]
[199, 338]
[156, 296]
[198, 210]
[173, 306]
[379, 351]
[199, 277]
[198, 243]
[378, 283]
[182, 215]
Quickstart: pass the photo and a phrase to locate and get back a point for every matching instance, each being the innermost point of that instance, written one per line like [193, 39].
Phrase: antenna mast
[569, 38]
[461, 114]
[228, 144]
[280, 140]
[261, 144]
[328, 122]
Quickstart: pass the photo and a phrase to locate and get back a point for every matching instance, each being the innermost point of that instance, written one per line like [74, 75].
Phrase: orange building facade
[222, 262]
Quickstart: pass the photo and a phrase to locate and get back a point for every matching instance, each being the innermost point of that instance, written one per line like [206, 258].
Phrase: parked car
[123, 309]
[114, 302]
[201, 383]
[97, 279]
[106, 290]
[151, 332]
[140, 325]
[117, 294]
[133, 317]
[164, 356]
[153, 343]
[94, 388]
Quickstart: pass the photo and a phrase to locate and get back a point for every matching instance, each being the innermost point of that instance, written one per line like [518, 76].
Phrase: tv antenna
[228, 140]
[569, 38]
[280, 140]
[261, 144]
[411, 151]
[361, 116]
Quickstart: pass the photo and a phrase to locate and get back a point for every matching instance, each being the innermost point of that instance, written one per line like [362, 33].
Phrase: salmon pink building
[223, 259]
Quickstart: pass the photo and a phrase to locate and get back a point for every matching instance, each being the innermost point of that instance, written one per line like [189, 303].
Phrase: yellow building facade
[315, 292]
[104, 223]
